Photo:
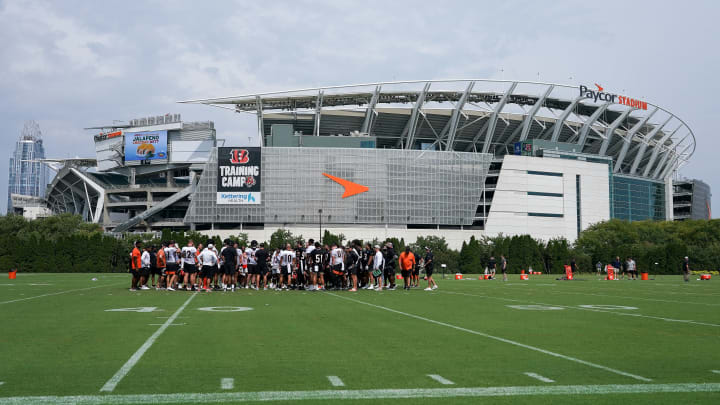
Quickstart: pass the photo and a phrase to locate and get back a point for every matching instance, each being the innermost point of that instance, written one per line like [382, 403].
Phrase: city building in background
[691, 200]
[27, 175]
[400, 159]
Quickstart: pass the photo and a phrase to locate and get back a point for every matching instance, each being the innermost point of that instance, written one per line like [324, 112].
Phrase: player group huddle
[308, 266]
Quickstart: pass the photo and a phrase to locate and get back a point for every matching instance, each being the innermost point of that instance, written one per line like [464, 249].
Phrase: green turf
[58, 339]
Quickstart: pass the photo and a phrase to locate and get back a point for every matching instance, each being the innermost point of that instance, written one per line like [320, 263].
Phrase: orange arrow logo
[600, 88]
[350, 188]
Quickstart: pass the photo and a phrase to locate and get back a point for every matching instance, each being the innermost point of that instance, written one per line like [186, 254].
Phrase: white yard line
[588, 309]
[512, 342]
[531, 390]
[440, 379]
[634, 298]
[56, 293]
[335, 381]
[716, 371]
[538, 377]
[227, 383]
[125, 369]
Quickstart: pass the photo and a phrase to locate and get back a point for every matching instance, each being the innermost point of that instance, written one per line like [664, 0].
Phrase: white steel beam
[261, 129]
[451, 127]
[585, 129]
[489, 127]
[557, 128]
[656, 150]
[408, 132]
[527, 123]
[644, 145]
[611, 131]
[628, 139]
[318, 112]
[370, 114]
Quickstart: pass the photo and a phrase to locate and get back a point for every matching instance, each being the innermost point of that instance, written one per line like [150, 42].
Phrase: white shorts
[275, 270]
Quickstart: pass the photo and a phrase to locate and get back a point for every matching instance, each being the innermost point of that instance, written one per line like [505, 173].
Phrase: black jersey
[319, 257]
[365, 257]
[300, 255]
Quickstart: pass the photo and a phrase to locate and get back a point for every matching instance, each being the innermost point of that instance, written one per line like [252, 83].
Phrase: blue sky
[74, 64]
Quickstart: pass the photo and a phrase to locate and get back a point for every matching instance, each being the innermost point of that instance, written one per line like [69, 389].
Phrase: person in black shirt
[154, 270]
[415, 277]
[300, 272]
[429, 264]
[229, 266]
[364, 271]
[319, 257]
[389, 256]
[262, 257]
[492, 267]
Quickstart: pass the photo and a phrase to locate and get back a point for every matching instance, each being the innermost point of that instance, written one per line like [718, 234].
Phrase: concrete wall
[515, 211]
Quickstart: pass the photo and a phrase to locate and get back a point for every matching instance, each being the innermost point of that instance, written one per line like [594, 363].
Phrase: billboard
[146, 147]
[238, 177]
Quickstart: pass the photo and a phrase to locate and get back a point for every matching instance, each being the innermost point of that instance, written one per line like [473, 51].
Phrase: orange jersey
[161, 262]
[135, 260]
[407, 261]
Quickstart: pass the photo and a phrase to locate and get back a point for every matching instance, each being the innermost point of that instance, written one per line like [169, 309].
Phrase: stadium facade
[452, 158]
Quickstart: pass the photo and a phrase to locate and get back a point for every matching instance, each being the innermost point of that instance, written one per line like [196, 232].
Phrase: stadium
[441, 157]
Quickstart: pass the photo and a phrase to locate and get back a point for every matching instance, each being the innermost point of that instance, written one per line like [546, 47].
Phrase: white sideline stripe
[538, 377]
[589, 309]
[530, 390]
[637, 298]
[512, 342]
[716, 371]
[335, 381]
[227, 383]
[57, 293]
[120, 374]
[440, 379]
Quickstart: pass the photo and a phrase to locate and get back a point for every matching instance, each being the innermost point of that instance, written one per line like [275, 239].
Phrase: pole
[320, 219]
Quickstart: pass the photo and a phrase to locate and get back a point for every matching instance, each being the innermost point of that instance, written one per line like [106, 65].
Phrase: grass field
[586, 341]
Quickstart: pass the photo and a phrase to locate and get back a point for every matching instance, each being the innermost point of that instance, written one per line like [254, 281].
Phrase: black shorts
[172, 267]
[253, 269]
[189, 268]
[144, 272]
[428, 271]
[135, 273]
[262, 270]
[287, 269]
[504, 271]
[353, 270]
[416, 272]
[156, 270]
[207, 271]
[229, 269]
[390, 273]
[406, 273]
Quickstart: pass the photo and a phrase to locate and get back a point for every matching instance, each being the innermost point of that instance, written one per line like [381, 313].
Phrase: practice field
[67, 339]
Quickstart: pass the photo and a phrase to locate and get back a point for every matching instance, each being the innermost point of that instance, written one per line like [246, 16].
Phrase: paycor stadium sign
[601, 95]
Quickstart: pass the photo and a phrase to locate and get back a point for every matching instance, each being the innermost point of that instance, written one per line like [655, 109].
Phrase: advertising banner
[145, 147]
[238, 177]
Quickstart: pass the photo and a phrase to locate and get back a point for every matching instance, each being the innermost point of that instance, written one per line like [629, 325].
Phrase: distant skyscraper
[27, 175]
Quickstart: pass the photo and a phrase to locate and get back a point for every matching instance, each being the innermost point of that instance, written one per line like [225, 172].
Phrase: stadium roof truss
[478, 115]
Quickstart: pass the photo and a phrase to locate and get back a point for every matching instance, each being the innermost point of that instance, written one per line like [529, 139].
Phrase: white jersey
[170, 254]
[208, 257]
[275, 261]
[337, 256]
[286, 258]
[250, 252]
[239, 257]
[217, 255]
[189, 254]
[145, 259]
[378, 260]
